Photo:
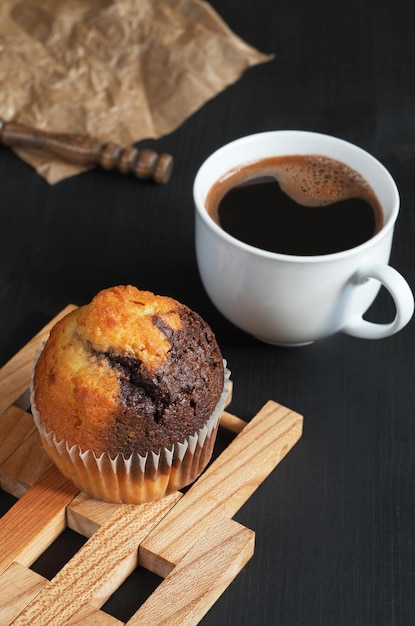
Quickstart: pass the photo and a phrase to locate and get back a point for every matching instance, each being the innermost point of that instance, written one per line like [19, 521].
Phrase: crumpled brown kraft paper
[116, 70]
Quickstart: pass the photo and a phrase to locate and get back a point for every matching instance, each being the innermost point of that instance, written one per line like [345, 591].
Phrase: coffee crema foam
[319, 181]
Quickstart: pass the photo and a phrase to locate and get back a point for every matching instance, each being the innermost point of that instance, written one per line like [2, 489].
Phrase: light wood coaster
[190, 539]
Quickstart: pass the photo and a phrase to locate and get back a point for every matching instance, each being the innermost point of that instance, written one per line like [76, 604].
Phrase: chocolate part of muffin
[159, 407]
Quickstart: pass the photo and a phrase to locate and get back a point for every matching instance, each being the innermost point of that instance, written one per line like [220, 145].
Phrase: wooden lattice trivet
[190, 539]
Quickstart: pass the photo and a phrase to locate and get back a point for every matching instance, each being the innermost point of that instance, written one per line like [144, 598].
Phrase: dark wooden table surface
[335, 522]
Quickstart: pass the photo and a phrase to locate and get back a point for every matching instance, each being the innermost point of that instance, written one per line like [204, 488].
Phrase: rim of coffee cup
[201, 186]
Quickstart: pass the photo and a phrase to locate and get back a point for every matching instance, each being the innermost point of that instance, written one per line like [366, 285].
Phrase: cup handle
[402, 297]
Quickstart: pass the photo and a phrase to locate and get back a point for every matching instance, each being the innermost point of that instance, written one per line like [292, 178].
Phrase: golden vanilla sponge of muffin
[127, 393]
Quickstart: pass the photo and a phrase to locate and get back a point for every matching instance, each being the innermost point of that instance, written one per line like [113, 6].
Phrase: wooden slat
[98, 568]
[22, 457]
[232, 423]
[16, 427]
[195, 584]
[15, 374]
[85, 515]
[20, 585]
[89, 616]
[35, 520]
[224, 486]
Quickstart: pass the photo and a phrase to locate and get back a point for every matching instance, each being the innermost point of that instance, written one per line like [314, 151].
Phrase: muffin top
[129, 372]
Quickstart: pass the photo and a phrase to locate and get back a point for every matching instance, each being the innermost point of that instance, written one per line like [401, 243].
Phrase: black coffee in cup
[296, 204]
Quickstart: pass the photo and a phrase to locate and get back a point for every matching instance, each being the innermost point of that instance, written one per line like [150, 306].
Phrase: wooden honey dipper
[86, 151]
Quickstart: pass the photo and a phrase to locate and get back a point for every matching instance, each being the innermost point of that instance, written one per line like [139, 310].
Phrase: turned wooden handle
[83, 150]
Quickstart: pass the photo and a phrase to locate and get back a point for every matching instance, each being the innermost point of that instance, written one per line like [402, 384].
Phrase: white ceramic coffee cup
[294, 300]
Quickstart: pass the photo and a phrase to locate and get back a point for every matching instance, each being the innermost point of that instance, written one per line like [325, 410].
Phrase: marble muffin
[127, 393]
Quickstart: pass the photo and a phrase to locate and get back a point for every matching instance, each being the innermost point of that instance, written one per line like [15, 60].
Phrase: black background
[335, 522]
